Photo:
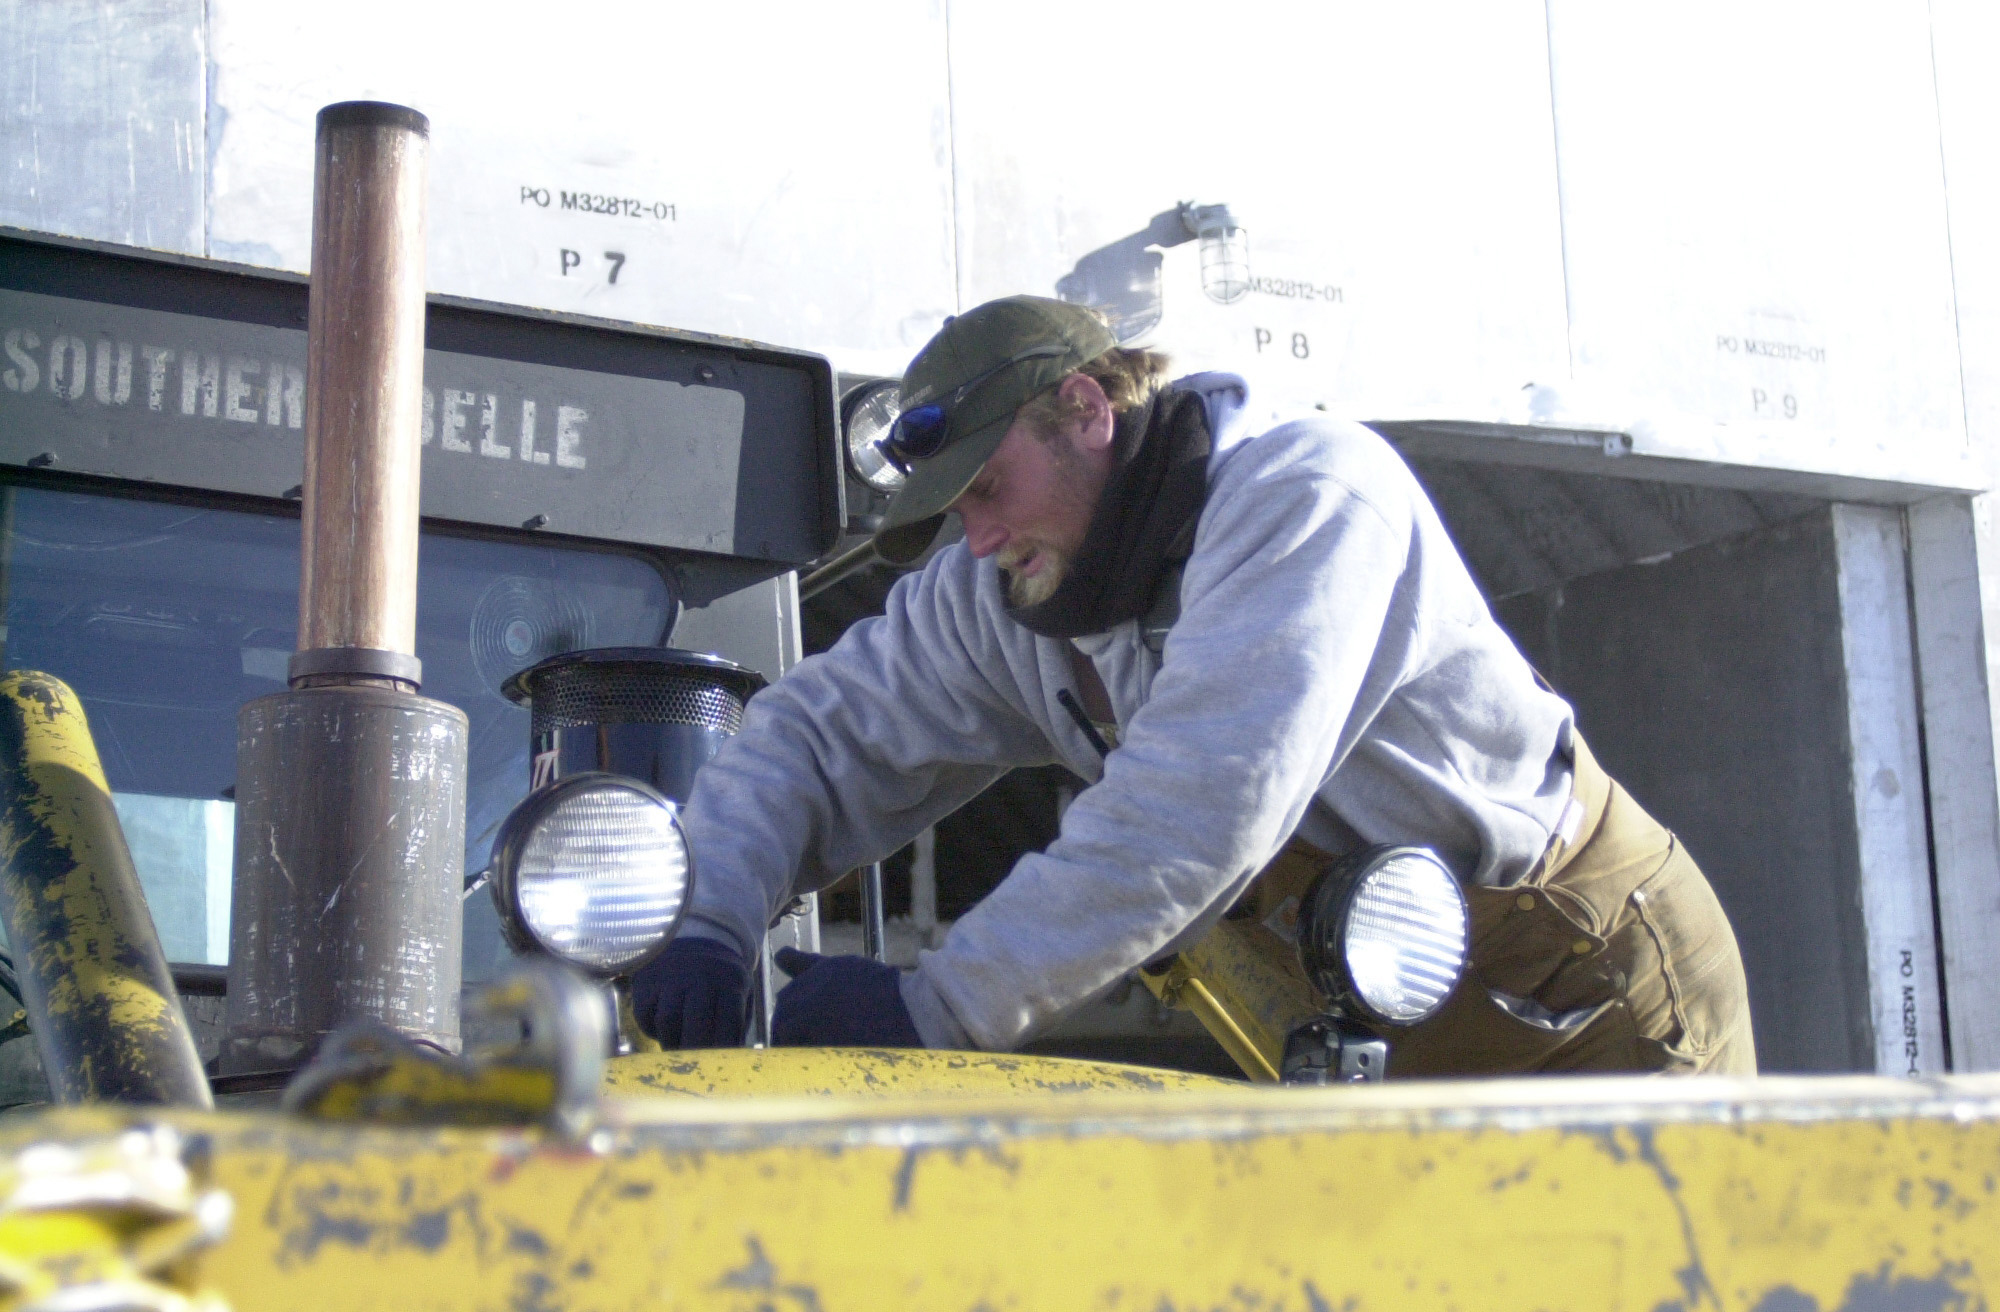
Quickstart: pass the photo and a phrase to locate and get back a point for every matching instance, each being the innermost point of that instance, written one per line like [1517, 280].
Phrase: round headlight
[866, 416]
[593, 869]
[1385, 932]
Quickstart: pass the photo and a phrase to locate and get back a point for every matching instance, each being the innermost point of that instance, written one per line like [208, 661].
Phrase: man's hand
[841, 1002]
[696, 994]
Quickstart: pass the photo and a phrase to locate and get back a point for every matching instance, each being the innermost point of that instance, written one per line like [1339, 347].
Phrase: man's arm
[854, 752]
[1295, 621]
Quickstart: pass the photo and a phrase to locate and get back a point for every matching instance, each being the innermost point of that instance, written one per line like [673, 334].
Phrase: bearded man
[1260, 646]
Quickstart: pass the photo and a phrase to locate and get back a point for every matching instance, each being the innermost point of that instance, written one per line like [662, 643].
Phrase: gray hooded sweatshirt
[1334, 673]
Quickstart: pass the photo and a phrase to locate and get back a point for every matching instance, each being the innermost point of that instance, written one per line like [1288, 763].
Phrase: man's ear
[1092, 424]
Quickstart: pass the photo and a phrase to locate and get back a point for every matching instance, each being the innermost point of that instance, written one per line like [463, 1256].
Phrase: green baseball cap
[979, 369]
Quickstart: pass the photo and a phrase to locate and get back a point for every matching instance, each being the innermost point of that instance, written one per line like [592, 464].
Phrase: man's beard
[1024, 590]
[1080, 491]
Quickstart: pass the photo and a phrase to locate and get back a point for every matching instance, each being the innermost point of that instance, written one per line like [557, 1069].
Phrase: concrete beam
[1886, 777]
[1950, 537]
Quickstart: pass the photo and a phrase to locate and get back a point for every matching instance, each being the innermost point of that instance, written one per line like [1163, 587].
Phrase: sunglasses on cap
[919, 432]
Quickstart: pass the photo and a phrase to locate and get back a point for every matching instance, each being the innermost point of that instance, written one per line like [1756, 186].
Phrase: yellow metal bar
[1256, 978]
[1196, 997]
[1245, 986]
[100, 999]
[877, 1074]
[1574, 1193]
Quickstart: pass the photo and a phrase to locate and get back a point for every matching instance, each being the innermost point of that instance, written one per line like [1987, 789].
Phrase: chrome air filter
[654, 713]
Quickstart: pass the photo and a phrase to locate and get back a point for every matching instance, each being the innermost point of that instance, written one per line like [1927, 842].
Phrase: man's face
[1032, 502]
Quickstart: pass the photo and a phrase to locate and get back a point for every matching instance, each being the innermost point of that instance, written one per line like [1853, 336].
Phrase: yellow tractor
[359, 1138]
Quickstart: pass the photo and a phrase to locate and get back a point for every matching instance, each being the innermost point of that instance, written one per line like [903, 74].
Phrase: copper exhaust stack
[364, 394]
[350, 815]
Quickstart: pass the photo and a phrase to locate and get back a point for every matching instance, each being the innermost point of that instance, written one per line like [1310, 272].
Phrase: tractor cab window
[165, 618]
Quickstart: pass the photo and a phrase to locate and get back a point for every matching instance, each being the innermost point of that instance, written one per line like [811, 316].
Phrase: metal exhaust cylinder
[653, 713]
[350, 863]
[350, 794]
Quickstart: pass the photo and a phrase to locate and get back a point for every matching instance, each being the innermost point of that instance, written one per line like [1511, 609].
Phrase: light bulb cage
[520, 827]
[1224, 251]
[1326, 916]
[1225, 265]
[868, 416]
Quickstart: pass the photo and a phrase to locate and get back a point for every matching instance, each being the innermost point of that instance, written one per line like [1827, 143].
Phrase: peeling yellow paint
[1582, 1193]
[96, 983]
[410, 1091]
[124, 1001]
[55, 730]
[873, 1073]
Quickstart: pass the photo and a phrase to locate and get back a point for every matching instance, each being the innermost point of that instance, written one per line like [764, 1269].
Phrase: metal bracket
[368, 662]
[1333, 1050]
[549, 1075]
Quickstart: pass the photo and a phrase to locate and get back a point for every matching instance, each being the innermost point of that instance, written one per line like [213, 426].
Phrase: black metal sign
[190, 374]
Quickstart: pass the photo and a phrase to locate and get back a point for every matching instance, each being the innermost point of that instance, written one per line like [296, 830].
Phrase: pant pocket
[1687, 990]
[1486, 1031]
[1534, 997]
[1536, 1016]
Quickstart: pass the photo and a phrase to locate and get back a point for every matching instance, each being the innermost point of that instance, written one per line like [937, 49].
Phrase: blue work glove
[695, 994]
[848, 1002]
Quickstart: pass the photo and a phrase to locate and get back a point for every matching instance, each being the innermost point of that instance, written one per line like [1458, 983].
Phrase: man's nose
[983, 534]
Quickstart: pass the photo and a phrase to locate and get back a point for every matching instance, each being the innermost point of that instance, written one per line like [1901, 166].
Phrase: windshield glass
[166, 618]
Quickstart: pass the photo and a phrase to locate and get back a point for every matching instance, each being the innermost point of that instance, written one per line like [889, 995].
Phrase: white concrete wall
[1721, 229]
[1755, 236]
[1398, 158]
[104, 116]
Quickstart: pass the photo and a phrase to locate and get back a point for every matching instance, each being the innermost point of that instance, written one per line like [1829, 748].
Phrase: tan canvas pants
[1613, 955]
